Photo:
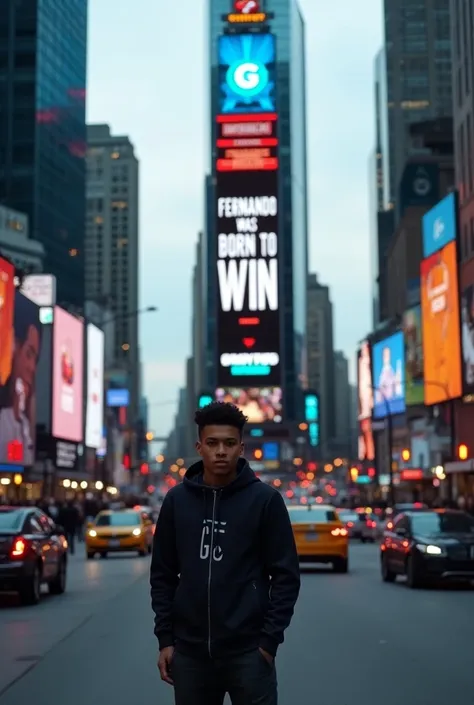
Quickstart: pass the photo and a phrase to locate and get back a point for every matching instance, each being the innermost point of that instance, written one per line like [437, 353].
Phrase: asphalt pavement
[353, 640]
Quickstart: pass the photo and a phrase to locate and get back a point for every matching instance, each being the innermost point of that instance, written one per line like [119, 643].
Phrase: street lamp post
[452, 419]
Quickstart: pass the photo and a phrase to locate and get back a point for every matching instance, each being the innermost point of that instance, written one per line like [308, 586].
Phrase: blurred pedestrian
[224, 573]
[68, 518]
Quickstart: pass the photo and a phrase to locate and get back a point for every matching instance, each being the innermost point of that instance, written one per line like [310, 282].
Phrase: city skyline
[167, 120]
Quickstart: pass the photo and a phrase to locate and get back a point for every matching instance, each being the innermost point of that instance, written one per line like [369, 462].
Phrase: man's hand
[268, 657]
[164, 664]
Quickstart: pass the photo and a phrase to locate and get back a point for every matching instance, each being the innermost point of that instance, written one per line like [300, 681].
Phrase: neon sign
[246, 12]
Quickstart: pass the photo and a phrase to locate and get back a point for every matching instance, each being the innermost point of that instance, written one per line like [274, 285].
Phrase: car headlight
[430, 549]
[93, 533]
[136, 532]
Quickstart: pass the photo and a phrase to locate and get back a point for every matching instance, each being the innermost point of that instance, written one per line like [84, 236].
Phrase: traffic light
[354, 474]
[463, 451]
[406, 455]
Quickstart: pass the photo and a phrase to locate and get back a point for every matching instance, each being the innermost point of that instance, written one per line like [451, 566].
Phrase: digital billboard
[68, 376]
[248, 316]
[7, 298]
[441, 326]
[388, 373]
[365, 386]
[246, 73]
[95, 387]
[439, 225]
[412, 331]
[366, 441]
[20, 350]
[467, 321]
[260, 405]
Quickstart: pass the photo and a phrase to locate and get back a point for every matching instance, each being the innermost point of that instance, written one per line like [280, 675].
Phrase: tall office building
[342, 405]
[321, 376]
[257, 234]
[418, 64]
[43, 130]
[112, 243]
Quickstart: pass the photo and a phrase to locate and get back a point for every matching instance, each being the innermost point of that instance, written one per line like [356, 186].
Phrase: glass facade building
[43, 47]
[287, 25]
[418, 65]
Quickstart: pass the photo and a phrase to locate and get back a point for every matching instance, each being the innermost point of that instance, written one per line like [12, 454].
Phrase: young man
[224, 573]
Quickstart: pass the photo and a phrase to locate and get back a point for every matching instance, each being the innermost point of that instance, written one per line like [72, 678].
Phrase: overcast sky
[148, 78]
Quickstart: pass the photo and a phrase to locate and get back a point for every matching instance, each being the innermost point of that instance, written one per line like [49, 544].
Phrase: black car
[33, 551]
[426, 545]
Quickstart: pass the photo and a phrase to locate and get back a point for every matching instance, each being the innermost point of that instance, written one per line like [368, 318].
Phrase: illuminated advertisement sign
[40, 288]
[467, 313]
[439, 225]
[247, 142]
[260, 405]
[95, 386]
[248, 316]
[388, 365]
[412, 331]
[68, 379]
[364, 382]
[246, 73]
[20, 347]
[366, 441]
[441, 326]
[311, 406]
[246, 12]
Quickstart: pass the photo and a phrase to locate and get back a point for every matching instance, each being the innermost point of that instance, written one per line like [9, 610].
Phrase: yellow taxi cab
[117, 531]
[320, 535]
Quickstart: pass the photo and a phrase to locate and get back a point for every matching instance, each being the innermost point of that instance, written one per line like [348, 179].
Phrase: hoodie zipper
[209, 577]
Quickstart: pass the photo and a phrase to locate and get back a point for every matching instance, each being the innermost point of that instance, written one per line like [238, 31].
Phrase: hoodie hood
[245, 477]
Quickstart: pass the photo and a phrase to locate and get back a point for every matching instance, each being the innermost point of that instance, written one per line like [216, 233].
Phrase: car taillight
[350, 523]
[19, 548]
[371, 524]
[339, 532]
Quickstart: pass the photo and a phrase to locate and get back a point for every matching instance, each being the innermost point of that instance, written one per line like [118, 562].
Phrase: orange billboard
[441, 326]
[7, 296]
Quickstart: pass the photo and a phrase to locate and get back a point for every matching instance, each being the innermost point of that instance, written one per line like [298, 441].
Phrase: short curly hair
[219, 413]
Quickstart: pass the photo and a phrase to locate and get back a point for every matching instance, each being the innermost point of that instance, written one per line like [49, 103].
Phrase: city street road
[353, 640]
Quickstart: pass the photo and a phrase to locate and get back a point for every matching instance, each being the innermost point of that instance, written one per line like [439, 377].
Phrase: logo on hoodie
[211, 532]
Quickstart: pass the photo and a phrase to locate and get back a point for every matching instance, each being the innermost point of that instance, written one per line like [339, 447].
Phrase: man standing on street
[224, 573]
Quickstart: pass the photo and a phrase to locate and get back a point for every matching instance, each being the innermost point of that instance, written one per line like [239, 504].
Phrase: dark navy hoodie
[224, 572]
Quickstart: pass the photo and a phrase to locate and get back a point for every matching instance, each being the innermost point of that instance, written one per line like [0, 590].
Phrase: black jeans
[249, 679]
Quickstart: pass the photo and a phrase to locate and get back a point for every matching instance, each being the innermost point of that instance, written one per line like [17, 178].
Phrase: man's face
[220, 447]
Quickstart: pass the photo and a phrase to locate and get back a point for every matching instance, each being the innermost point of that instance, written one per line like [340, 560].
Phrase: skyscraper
[257, 239]
[112, 243]
[321, 356]
[43, 130]
[418, 64]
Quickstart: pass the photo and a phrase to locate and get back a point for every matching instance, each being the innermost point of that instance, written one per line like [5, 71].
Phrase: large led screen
[246, 73]
[248, 317]
[467, 313]
[260, 405]
[439, 225]
[364, 382]
[68, 364]
[441, 326]
[412, 331]
[95, 386]
[388, 365]
[20, 346]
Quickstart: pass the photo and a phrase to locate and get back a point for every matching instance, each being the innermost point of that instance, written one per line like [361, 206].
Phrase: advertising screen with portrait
[412, 331]
[260, 405]
[388, 366]
[364, 382]
[18, 384]
[467, 336]
[366, 441]
[441, 326]
[68, 376]
[95, 386]
[246, 73]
